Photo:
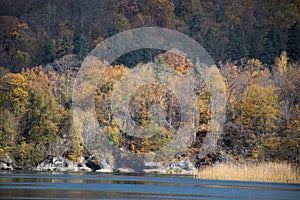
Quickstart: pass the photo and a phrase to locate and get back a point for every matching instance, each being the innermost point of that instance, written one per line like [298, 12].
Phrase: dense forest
[255, 44]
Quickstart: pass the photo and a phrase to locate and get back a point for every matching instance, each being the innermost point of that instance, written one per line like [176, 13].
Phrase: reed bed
[261, 172]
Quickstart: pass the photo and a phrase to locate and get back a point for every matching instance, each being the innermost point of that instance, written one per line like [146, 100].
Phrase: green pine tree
[293, 43]
[209, 41]
[81, 48]
[237, 45]
[65, 46]
[272, 46]
[195, 24]
[112, 30]
[49, 50]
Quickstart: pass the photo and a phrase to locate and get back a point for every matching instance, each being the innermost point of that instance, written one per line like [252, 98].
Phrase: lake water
[59, 185]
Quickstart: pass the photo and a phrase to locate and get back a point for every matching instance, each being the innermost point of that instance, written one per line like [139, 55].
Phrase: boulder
[60, 164]
[154, 168]
[105, 164]
[153, 165]
[93, 165]
[5, 166]
[6, 163]
[80, 159]
[182, 166]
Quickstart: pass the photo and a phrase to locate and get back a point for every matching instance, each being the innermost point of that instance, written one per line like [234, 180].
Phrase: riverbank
[91, 185]
[60, 164]
[258, 172]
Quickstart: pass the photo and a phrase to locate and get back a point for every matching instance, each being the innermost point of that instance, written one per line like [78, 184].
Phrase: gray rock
[6, 164]
[80, 159]
[61, 164]
[105, 164]
[153, 165]
[185, 165]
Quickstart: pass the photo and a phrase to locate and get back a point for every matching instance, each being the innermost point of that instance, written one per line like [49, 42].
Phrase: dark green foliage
[41, 32]
[65, 46]
[293, 43]
[209, 41]
[256, 44]
[81, 48]
[195, 24]
[272, 46]
[237, 47]
[49, 50]
[133, 58]
[112, 30]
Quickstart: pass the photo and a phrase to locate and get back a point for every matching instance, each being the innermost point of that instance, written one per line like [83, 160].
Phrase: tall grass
[262, 172]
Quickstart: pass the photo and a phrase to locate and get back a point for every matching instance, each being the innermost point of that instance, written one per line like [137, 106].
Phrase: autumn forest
[255, 45]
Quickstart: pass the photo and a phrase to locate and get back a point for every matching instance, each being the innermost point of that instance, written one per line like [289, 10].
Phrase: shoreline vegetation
[278, 172]
[150, 101]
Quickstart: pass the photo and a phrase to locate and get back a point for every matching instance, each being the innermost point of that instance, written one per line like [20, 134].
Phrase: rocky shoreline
[54, 163]
[181, 164]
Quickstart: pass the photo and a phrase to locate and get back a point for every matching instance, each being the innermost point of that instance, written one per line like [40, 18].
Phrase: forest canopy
[255, 44]
[37, 32]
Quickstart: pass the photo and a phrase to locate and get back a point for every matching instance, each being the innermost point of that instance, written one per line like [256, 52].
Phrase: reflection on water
[53, 185]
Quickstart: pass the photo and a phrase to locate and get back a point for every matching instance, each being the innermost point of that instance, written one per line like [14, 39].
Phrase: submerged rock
[125, 170]
[105, 170]
[155, 171]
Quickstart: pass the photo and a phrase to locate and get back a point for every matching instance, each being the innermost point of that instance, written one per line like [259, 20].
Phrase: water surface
[67, 185]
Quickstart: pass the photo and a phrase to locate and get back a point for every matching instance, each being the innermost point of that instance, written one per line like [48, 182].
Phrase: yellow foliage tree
[14, 93]
[260, 111]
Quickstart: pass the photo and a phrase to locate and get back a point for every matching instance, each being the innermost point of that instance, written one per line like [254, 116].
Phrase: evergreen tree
[293, 43]
[209, 41]
[237, 45]
[131, 59]
[272, 46]
[65, 46]
[195, 24]
[81, 48]
[49, 50]
[112, 30]
[256, 42]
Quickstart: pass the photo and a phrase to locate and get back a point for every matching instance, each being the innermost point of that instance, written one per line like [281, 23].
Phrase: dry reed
[261, 172]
